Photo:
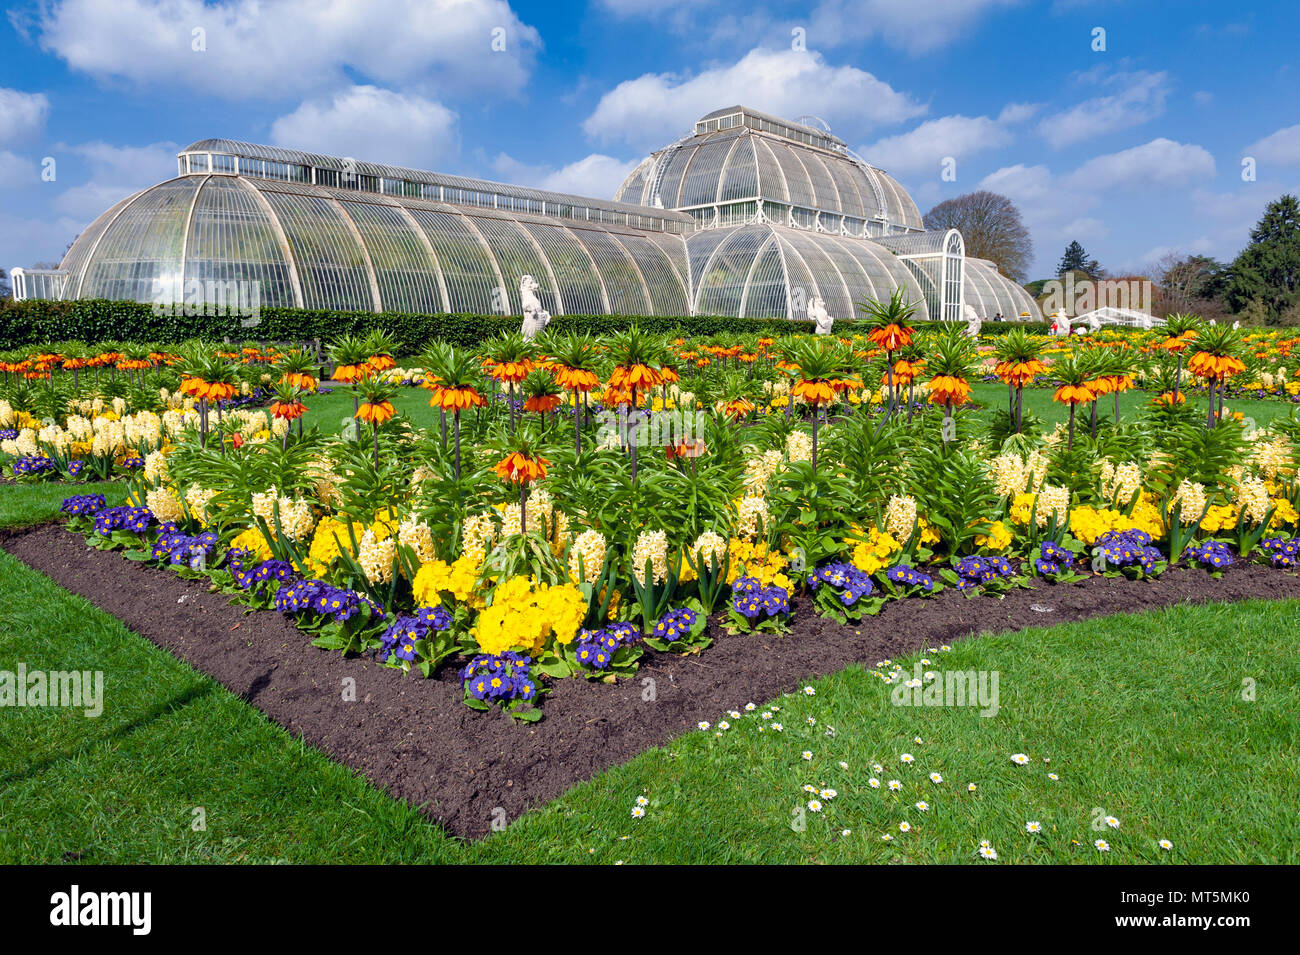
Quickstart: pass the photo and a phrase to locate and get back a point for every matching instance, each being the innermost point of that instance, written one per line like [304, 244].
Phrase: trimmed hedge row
[98, 320]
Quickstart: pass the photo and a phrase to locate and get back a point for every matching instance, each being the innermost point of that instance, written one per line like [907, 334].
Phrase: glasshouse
[751, 216]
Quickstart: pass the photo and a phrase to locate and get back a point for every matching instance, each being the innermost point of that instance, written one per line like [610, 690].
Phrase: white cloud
[22, 115]
[959, 137]
[656, 108]
[276, 48]
[1159, 162]
[597, 175]
[917, 27]
[114, 173]
[371, 124]
[1138, 98]
[17, 171]
[1281, 147]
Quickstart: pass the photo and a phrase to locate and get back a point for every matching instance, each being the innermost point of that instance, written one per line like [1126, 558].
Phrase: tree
[5, 289]
[1076, 259]
[1266, 275]
[991, 227]
[1190, 283]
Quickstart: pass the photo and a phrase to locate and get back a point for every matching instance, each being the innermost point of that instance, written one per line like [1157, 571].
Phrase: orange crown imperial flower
[1205, 365]
[351, 373]
[541, 404]
[814, 392]
[289, 410]
[948, 390]
[518, 468]
[376, 412]
[512, 372]
[636, 376]
[891, 337]
[1073, 395]
[455, 399]
[576, 379]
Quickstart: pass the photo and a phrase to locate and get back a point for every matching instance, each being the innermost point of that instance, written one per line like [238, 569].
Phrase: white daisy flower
[904, 826]
[936, 778]
[917, 740]
[724, 725]
[1165, 844]
[806, 754]
[703, 724]
[1102, 845]
[1112, 822]
[778, 727]
[1053, 777]
[907, 758]
[814, 806]
[734, 714]
[828, 794]
[750, 707]
[843, 764]
[895, 785]
[923, 806]
[971, 788]
[812, 721]
[809, 788]
[988, 852]
[767, 715]
[873, 783]
[1033, 826]
[1019, 759]
[642, 801]
[877, 768]
[809, 691]
[887, 838]
[637, 812]
[912, 684]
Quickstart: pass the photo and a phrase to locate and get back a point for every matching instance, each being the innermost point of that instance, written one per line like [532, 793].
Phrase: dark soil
[415, 739]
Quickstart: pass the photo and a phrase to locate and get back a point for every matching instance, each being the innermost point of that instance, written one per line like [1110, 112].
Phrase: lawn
[329, 411]
[1143, 718]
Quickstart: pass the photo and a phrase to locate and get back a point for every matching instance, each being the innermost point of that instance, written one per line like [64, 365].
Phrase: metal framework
[750, 215]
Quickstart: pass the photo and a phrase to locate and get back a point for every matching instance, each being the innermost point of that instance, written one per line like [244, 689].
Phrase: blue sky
[1135, 150]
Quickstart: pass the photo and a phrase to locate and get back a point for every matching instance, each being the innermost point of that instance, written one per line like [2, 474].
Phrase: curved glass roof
[989, 292]
[739, 154]
[315, 246]
[771, 271]
[753, 215]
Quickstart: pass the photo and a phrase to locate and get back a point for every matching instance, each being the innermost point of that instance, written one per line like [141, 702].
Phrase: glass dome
[739, 154]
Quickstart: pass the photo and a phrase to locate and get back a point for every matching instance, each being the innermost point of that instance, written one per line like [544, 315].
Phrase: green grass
[328, 411]
[27, 504]
[1141, 716]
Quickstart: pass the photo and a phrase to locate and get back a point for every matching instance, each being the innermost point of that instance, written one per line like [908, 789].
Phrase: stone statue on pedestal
[536, 318]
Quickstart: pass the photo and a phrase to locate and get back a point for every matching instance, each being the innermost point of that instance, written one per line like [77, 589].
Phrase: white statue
[973, 322]
[536, 318]
[1061, 323]
[822, 321]
[1094, 322]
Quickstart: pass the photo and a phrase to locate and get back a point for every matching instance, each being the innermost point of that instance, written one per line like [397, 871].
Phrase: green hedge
[98, 320]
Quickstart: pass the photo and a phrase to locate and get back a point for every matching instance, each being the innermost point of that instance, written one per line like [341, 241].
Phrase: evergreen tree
[1267, 272]
[1076, 259]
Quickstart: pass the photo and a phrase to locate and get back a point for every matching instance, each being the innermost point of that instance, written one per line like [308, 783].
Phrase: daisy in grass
[923, 806]
[637, 812]
[1020, 759]
[809, 691]
[971, 788]
[1033, 826]
[843, 764]
[1165, 844]
[936, 778]
[642, 801]
[828, 794]
[904, 826]
[1053, 777]
[907, 758]
[1102, 845]
[724, 725]
[814, 805]
[806, 754]
[1112, 822]
[703, 724]
[988, 852]
[895, 785]
[873, 783]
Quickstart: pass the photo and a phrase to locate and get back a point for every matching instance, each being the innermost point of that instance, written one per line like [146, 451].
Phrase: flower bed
[570, 505]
